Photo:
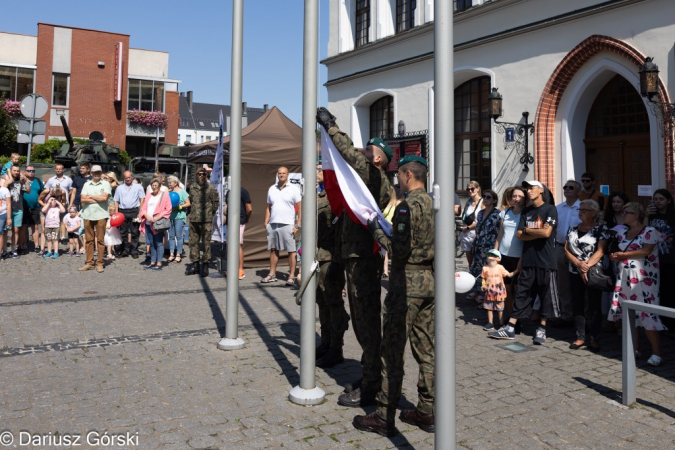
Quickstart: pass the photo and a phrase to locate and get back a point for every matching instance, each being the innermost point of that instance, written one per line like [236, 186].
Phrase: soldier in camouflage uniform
[408, 309]
[333, 318]
[363, 263]
[203, 205]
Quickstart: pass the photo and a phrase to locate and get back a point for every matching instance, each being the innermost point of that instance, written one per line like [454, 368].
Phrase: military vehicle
[172, 160]
[71, 155]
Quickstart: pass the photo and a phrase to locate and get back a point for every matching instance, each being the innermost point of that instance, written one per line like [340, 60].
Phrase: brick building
[92, 78]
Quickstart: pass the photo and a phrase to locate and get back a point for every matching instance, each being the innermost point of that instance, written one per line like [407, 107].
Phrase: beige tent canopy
[268, 143]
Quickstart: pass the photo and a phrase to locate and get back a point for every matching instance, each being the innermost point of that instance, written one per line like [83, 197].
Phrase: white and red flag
[345, 189]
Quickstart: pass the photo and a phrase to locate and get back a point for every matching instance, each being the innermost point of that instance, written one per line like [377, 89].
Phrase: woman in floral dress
[487, 229]
[637, 275]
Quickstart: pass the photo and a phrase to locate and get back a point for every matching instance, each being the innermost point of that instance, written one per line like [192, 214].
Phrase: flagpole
[444, 188]
[307, 393]
[232, 341]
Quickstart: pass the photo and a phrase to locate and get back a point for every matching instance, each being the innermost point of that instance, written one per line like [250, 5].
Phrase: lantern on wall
[495, 104]
[649, 78]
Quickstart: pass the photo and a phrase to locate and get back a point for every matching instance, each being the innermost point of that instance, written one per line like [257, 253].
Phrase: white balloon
[464, 282]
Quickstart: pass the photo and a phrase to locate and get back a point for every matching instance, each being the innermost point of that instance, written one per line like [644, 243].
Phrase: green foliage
[5, 159]
[124, 157]
[7, 133]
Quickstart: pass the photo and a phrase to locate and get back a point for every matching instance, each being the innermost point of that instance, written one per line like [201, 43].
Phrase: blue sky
[198, 37]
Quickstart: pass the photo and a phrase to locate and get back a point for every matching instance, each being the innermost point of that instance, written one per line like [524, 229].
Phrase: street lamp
[516, 135]
[649, 88]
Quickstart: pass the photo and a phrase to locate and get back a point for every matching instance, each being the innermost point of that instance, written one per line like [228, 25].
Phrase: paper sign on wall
[604, 189]
[644, 190]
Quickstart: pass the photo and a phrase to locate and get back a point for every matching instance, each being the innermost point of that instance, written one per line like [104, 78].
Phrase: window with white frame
[188, 137]
[15, 82]
[405, 14]
[60, 82]
[146, 95]
[362, 22]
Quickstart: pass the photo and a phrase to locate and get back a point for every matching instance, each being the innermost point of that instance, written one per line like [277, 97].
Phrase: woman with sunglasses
[637, 275]
[473, 206]
[584, 248]
[486, 234]
[661, 215]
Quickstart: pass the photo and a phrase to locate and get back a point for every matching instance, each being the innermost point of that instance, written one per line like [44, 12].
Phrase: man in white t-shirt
[283, 200]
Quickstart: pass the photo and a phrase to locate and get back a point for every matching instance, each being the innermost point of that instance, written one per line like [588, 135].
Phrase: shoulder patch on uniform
[402, 212]
[401, 227]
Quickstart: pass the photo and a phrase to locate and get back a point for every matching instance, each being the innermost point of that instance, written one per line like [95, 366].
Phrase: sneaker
[77, 254]
[15, 255]
[41, 253]
[70, 253]
[38, 250]
[85, 268]
[654, 360]
[47, 255]
[489, 327]
[539, 337]
[55, 255]
[4, 255]
[503, 333]
[242, 275]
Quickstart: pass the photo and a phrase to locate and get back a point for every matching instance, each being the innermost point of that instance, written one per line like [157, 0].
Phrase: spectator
[178, 218]
[78, 184]
[507, 200]
[471, 209]
[487, 228]
[508, 244]
[43, 199]
[148, 192]
[280, 222]
[493, 288]
[637, 276]
[204, 202]
[245, 211]
[94, 197]
[13, 160]
[137, 181]
[73, 222]
[112, 179]
[5, 213]
[129, 199]
[112, 236]
[52, 211]
[458, 205]
[661, 216]
[613, 208]
[65, 183]
[584, 248]
[32, 208]
[17, 185]
[156, 206]
[568, 216]
[589, 190]
[537, 230]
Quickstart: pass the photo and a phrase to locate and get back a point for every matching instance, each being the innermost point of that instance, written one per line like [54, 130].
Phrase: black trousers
[129, 227]
[586, 309]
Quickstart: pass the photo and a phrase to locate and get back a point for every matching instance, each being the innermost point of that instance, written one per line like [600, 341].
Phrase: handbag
[468, 220]
[601, 276]
[162, 224]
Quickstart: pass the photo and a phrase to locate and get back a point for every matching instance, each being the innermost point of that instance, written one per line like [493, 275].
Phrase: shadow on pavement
[216, 312]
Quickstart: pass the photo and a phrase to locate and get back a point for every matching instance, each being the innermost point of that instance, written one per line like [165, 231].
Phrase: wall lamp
[649, 88]
[516, 135]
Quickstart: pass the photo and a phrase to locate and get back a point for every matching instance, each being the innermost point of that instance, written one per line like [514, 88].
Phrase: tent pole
[232, 341]
[307, 393]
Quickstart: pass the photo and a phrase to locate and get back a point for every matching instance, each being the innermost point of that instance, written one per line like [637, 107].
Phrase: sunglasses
[585, 180]
[586, 210]
[568, 188]
[201, 174]
[30, 171]
[488, 197]
[470, 189]
[625, 212]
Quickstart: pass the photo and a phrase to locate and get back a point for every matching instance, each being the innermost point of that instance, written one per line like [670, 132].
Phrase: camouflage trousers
[200, 232]
[333, 317]
[363, 291]
[406, 317]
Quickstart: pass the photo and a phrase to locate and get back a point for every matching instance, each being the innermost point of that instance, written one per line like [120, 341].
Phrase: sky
[198, 37]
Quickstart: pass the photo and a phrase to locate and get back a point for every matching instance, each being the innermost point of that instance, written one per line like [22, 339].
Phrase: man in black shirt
[537, 229]
[244, 215]
[78, 184]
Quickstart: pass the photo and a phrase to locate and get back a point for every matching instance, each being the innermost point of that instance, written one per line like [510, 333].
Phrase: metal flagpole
[232, 341]
[444, 186]
[307, 393]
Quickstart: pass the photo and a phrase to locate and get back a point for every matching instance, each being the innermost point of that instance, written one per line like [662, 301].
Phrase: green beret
[412, 158]
[378, 142]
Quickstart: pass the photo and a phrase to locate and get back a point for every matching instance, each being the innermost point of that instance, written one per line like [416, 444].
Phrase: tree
[7, 134]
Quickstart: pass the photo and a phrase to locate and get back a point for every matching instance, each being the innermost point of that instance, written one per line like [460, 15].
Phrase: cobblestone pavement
[129, 351]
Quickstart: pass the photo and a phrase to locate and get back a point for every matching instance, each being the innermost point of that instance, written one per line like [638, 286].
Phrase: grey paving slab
[130, 352]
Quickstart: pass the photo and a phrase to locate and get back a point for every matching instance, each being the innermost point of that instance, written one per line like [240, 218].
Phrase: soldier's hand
[373, 225]
[325, 118]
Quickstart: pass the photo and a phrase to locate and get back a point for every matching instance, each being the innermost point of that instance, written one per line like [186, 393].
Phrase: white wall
[148, 63]
[18, 49]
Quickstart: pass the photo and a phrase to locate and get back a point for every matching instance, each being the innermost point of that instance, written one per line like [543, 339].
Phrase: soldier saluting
[408, 310]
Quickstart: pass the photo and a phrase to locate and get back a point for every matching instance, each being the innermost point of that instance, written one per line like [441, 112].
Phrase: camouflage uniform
[333, 318]
[363, 264]
[409, 306]
[203, 205]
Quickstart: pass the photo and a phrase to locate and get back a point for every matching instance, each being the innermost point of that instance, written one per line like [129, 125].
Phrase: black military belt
[426, 265]
[129, 209]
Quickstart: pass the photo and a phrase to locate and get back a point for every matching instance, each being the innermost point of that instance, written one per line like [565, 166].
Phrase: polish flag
[345, 189]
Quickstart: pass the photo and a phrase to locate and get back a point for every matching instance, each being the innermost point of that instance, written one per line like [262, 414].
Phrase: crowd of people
[572, 264]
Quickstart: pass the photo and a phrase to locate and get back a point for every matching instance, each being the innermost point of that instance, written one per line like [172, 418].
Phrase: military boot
[204, 269]
[353, 385]
[192, 269]
[332, 358]
[414, 417]
[358, 397]
[374, 424]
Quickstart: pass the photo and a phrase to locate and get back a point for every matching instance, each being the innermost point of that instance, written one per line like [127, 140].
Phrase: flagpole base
[307, 397]
[231, 344]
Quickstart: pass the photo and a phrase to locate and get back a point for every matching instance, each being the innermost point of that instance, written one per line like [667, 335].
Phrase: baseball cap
[412, 158]
[201, 169]
[378, 142]
[494, 252]
[527, 184]
[96, 168]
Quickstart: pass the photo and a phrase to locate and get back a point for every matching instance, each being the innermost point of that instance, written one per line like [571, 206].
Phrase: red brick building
[92, 78]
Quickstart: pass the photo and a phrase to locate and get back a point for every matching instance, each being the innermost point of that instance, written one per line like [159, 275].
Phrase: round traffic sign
[33, 106]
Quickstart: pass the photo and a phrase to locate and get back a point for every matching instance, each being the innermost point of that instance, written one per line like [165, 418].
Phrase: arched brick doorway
[545, 137]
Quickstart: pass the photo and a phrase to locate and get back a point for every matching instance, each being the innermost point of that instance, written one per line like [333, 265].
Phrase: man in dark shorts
[537, 230]
[31, 208]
